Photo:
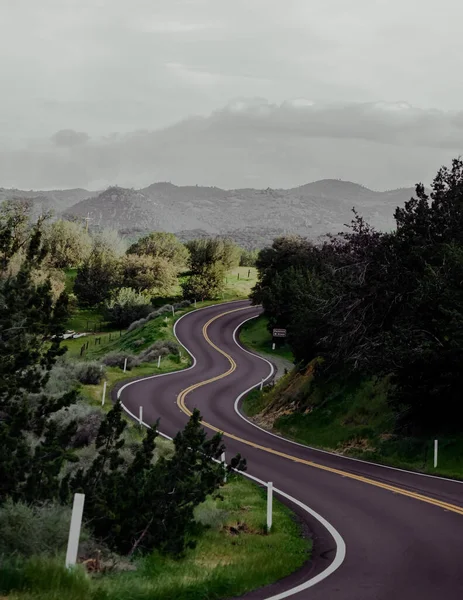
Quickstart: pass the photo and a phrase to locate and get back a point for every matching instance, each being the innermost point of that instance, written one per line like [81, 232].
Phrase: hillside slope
[310, 210]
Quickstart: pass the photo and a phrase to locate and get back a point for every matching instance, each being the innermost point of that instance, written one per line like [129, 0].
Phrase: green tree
[161, 245]
[68, 244]
[30, 327]
[206, 285]
[127, 306]
[148, 273]
[149, 504]
[97, 277]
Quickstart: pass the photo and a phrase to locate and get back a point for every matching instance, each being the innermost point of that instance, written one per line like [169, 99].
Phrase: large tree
[161, 245]
[98, 276]
[68, 244]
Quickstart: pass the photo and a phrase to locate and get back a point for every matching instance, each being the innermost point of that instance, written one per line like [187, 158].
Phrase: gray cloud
[252, 143]
[68, 138]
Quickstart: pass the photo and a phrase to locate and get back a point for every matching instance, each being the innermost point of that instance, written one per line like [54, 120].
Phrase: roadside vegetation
[375, 322]
[159, 521]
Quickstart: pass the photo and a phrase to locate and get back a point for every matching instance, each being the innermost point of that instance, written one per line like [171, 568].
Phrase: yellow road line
[397, 490]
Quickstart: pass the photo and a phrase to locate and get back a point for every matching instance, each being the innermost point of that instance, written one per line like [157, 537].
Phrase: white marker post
[222, 460]
[269, 505]
[436, 450]
[173, 310]
[74, 530]
[195, 303]
[273, 346]
[140, 418]
[159, 361]
[262, 385]
[104, 394]
[125, 365]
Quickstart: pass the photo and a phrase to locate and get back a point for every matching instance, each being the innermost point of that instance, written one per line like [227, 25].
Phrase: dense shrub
[88, 419]
[117, 359]
[127, 306]
[159, 348]
[167, 308]
[90, 373]
[33, 530]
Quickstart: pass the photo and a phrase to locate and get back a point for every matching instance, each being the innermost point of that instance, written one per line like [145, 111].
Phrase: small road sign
[279, 333]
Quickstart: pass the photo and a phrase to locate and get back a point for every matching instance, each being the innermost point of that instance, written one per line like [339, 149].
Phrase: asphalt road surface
[403, 532]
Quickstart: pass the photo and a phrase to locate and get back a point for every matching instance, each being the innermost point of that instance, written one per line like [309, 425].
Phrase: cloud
[252, 141]
[67, 138]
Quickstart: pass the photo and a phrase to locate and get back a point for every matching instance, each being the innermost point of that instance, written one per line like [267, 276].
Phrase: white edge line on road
[340, 544]
[348, 458]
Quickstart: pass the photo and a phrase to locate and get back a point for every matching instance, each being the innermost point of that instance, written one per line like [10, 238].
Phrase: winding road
[379, 533]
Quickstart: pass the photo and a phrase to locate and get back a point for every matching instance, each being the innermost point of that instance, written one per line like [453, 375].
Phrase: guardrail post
[269, 505]
[74, 529]
[224, 464]
[104, 393]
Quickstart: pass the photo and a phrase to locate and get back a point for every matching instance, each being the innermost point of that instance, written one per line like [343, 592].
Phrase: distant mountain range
[252, 217]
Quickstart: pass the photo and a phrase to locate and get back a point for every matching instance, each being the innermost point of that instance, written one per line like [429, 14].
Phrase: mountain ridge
[312, 210]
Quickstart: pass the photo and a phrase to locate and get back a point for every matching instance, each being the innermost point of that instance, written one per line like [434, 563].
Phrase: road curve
[403, 531]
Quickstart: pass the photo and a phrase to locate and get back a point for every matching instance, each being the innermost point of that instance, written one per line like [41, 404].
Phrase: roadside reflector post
[436, 451]
[166, 319]
[159, 361]
[104, 393]
[262, 385]
[269, 505]
[273, 346]
[173, 310]
[125, 365]
[74, 530]
[140, 418]
[222, 460]
[195, 303]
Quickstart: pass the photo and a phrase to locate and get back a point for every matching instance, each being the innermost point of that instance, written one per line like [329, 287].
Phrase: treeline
[136, 500]
[381, 304]
[124, 282]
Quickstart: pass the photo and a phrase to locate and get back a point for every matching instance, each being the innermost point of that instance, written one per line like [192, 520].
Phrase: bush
[167, 308]
[90, 373]
[127, 306]
[159, 348]
[34, 530]
[117, 359]
[88, 419]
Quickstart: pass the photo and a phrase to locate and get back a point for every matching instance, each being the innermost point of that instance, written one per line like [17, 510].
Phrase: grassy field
[233, 555]
[255, 335]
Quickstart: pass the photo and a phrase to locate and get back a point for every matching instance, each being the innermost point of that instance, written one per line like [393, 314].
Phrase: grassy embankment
[347, 415]
[233, 554]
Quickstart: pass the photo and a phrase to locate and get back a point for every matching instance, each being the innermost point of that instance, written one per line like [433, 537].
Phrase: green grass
[238, 284]
[351, 416]
[255, 335]
[222, 565]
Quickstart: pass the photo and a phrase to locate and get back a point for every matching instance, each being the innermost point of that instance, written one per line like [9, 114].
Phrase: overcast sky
[228, 92]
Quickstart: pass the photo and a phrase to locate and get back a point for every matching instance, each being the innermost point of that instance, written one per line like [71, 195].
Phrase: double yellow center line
[181, 403]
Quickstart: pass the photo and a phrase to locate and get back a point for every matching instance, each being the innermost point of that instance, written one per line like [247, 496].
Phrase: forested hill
[251, 216]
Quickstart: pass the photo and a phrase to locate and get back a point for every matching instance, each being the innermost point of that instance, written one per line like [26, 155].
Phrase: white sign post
[140, 419]
[104, 394]
[269, 505]
[125, 365]
[436, 450]
[74, 530]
